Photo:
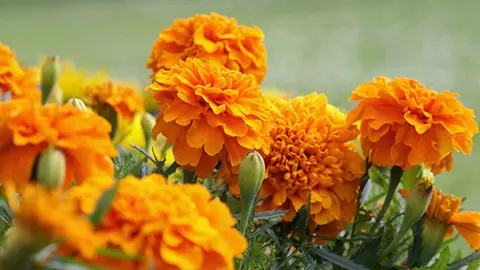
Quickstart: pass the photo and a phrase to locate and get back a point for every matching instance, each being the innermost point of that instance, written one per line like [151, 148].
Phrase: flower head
[27, 129]
[173, 226]
[208, 113]
[51, 215]
[124, 99]
[214, 38]
[18, 82]
[310, 153]
[405, 124]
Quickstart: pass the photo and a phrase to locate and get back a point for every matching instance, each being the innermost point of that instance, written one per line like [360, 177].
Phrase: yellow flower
[209, 113]
[124, 99]
[405, 124]
[211, 38]
[173, 226]
[72, 81]
[16, 81]
[27, 129]
[51, 215]
[311, 152]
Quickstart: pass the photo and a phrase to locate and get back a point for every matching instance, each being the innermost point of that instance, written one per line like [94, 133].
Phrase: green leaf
[118, 254]
[272, 216]
[104, 204]
[442, 261]
[465, 261]
[143, 152]
[335, 259]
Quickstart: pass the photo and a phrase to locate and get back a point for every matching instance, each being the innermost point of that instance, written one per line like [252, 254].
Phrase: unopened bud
[51, 168]
[77, 103]
[56, 96]
[250, 179]
[50, 72]
[418, 200]
[433, 234]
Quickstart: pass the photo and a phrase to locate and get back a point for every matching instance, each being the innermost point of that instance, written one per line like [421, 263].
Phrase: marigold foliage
[405, 124]
[209, 113]
[124, 99]
[310, 152]
[27, 129]
[19, 82]
[214, 38]
[52, 216]
[174, 226]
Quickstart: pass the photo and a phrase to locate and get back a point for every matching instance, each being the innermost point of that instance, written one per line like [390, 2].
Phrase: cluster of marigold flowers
[206, 75]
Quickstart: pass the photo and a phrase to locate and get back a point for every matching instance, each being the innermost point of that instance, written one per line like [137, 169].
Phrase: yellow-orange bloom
[214, 38]
[444, 209]
[311, 153]
[172, 226]
[208, 113]
[405, 124]
[72, 81]
[27, 129]
[18, 82]
[124, 99]
[49, 215]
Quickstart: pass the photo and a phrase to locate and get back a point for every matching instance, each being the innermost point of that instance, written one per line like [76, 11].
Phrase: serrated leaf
[104, 204]
[335, 259]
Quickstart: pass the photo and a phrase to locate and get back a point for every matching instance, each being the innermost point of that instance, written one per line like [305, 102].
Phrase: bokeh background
[313, 45]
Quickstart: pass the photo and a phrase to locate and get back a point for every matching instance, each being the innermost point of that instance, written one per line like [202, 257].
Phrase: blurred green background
[313, 45]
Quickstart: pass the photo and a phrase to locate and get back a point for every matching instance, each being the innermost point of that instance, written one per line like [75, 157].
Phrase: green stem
[363, 182]
[395, 176]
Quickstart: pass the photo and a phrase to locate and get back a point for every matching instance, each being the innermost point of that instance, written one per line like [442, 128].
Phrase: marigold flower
[51, 215]
[405, 124]
[173, 226]
[444, 210]
[208, 113]
[214, 38]
[310, 152]
[18, 82]
[27, 129]
[72, 81]
[124, 99]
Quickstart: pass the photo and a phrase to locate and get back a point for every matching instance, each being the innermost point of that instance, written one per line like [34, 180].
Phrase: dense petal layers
[208, 113]
[124, 99]
[173, 226]
[27, 129]
[51, 215]
[14, 80]
[310, 153]
[405, 124]
[214, 38]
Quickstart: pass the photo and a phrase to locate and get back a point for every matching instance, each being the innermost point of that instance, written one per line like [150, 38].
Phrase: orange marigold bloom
[124, 99]
[405, 124]
[49, 214]
[27, 129]
[208, 113]
[311, 152]
[172, 226]
[18, 82]
[214, 38]
[444, 210]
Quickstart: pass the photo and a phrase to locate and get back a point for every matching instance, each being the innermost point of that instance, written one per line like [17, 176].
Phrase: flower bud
[108, 112]
[432, 239]
[418, 201]
[77, 103]
[56, 96]
[50, 72]
[148, 122]
[250, 179]
[51, 168]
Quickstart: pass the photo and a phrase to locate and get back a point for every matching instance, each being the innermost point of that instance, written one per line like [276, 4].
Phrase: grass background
[313, 45]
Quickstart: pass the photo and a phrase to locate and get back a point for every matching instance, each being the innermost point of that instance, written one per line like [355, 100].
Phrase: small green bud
[77, 103]
[56, 96]
[148, 122]
[250, 179]
[418, 200]
[51, 168]
[50, 72]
